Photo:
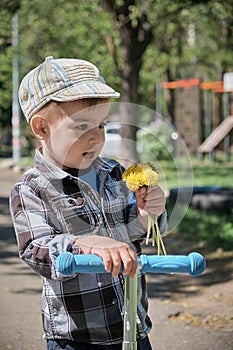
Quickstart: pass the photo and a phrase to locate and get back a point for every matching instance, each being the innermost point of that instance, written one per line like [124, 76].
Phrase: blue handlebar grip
[68, 264]
[194, 264]
[65, 263]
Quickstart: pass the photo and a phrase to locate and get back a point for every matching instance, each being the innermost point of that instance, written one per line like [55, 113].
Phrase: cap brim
[88, 90]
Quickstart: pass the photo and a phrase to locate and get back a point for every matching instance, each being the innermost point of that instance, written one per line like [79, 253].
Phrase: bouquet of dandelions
[146, 175]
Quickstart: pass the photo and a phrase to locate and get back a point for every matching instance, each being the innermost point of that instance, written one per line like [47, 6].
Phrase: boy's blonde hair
[52, 111]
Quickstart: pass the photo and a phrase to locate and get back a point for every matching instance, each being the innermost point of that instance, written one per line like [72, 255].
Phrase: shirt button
[71, 201]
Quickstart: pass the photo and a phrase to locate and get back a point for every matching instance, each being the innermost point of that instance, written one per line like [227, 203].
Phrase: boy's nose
[96, 135]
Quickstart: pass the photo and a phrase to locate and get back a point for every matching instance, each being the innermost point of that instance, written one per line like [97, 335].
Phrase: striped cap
[61, 80]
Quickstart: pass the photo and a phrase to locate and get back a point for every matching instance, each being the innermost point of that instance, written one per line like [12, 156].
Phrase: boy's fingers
[113, 253]
[116, 263]
[155, 201]
[114, 260]
[107, 259]
[129, 261]
[142, 191]
[134, 266]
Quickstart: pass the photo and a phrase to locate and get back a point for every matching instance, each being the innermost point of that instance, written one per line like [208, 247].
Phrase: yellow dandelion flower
[145, 175]
[139, 175]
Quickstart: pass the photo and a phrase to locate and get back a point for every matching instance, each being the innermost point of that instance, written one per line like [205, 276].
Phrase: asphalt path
[187, 313]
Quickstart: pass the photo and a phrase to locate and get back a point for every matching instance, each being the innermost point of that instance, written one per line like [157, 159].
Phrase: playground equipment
[193, 264]
[195, 115]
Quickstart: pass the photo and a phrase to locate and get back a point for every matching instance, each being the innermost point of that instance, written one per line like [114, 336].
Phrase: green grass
[212, 174]
[201, 173]
[212, 228]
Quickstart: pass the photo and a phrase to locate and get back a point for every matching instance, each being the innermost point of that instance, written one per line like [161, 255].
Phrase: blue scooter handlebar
[194, 264]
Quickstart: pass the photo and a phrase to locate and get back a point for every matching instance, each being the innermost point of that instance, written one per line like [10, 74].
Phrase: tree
[137, 44]
[59, 28]
[167, 25]
[136, 22]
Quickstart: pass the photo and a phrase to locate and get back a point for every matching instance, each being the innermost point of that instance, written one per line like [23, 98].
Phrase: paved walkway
[187, 313]
[20, 288]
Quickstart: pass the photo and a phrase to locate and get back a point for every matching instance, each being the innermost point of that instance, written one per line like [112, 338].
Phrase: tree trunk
[134, 41]
[129, 112]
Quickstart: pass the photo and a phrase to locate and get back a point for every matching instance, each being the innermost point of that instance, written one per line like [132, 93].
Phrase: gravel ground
[187, 313]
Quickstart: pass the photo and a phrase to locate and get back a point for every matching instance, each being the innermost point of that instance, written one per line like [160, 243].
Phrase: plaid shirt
[49, 209]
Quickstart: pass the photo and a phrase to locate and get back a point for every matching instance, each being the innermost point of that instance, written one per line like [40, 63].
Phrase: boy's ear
[39, 127]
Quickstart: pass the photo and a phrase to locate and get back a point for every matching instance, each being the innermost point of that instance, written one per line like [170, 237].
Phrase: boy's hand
[150, 201]
[113, 253]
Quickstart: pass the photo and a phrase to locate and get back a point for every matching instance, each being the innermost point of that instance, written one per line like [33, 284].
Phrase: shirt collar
[53, 172]
[46, 167]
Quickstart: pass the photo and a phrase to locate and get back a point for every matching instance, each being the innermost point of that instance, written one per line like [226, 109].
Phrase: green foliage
[58, 28]
[214, 229]
[5, 69]
[78, 29]
[155, 140]
[190, 39]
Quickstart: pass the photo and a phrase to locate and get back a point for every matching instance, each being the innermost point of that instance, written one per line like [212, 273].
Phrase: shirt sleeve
[39, 243]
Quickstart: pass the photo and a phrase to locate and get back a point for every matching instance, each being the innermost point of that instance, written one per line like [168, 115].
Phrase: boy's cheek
[62, 143]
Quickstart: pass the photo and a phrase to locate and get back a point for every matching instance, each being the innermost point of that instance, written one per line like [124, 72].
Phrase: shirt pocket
[75, 214]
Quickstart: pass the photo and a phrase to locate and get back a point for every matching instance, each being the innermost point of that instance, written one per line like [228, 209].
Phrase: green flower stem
[160, 238]
[154, 231]
[130, 314]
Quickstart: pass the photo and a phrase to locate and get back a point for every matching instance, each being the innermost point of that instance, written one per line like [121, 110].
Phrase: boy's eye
[82, 127]
[102, 125]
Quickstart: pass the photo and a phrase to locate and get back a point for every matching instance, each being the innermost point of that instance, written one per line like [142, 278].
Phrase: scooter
[193, 264]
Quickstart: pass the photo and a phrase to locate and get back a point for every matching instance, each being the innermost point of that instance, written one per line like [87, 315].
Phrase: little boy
[73, 200]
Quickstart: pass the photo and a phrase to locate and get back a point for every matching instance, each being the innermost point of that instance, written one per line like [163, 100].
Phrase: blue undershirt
[88, 175]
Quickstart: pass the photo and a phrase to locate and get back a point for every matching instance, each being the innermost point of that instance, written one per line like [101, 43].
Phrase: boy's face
[76, 140]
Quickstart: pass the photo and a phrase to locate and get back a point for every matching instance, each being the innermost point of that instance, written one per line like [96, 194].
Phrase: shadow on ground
[219, 269]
